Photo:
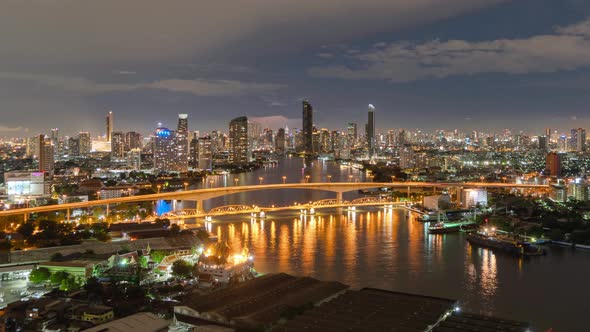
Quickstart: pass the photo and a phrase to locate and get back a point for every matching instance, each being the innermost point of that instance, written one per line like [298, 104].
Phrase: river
[377, 247]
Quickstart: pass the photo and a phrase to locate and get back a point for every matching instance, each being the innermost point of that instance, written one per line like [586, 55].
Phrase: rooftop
[372, 310]
[262, 301]
[141, 322]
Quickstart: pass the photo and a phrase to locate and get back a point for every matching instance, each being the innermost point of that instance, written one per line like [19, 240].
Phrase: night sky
[430, 64]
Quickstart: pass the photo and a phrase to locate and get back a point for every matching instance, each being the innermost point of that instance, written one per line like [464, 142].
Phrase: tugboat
[488, 238]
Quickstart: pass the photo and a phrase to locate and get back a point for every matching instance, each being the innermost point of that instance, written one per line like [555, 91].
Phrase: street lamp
[65, 198]
[159, 187]
[210, 183]
[236, 180]
[185, 186]
[350, 178]
[329, 178]
[284, 179]
[98, 195]
[307, 179]
[260, 180]
[393, 178]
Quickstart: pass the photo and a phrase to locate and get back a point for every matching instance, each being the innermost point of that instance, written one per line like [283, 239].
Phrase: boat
[443, 226]
[488, 238]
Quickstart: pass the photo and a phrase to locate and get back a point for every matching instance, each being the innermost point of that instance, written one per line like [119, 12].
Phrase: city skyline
[244, 70]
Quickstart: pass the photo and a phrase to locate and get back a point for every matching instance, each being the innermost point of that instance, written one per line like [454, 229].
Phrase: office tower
[562, 144]
[117, 146]
[132, 141]
[182, 146]
[205, 154]
[239, 147]
[55, 142]
[110, 126]
[85, 144]
[307, 128]
[73, 149]
[134, 158]
[543, 145]
[548, 134]
[182, 122]
[371, 130]
[406, 157]
[164, 149]
[578, 140]
[193, 154]
[325, 141]
[32, 148]
[45, 154]
[553, 164]
[315, 141]
[280, 140]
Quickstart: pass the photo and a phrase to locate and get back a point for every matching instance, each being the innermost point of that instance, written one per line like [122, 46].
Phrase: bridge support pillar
[68, 215]
[408, 193]
[200, 208]
[108, 210]
[26, 217]
[339, 197]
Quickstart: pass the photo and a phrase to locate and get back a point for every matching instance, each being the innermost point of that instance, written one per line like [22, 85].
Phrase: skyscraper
[110, 125]
[117, 146]
[578, 140]
[84, 143]
[553, 164]
[182, 146]
[307, 128]
[164, 151]
[239, 147]
[132, 140]
[280, 140]
[205, 154]
[46, 160]
[55, 142]
[371, 130]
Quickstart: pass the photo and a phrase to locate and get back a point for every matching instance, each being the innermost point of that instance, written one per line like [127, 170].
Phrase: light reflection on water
[387, 249]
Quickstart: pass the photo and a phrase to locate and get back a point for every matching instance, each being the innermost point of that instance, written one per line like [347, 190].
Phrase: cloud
[276, 121]
[197, 87]
[9, 129]
[567, 48]
[71, 31]
[325, 55]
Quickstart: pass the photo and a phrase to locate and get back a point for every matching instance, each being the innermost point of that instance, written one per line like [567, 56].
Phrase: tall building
[110, 126]
[406, 157]
[73, 149]
[84, 143]
[548, 134]
[307, 128]
[553, 164]
[164, 149]
[543, 144]
[45, 157]
[132, 140]
[182, 144]
[371, 130]
[578, 140]
[280, 140]
[239, 147]
[134, 159]
[55, 142]
[117, 145]
[205, 154]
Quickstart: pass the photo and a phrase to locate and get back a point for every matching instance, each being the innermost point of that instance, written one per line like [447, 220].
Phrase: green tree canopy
[58, 277]
[182, 269]
[39, 275]
[157, 256]
[26, 229]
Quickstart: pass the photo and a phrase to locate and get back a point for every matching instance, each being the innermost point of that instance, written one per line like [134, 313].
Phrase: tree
[182, 269]
[26, 229]
[202, 235]
[222, 252]
[58, 277]
[143, 262]
[39, 275]
[69, 284]
[93, 286]
[157, 256]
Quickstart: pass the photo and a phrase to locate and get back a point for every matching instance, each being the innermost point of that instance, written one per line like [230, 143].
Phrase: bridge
[199, 195]
[249, 209]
